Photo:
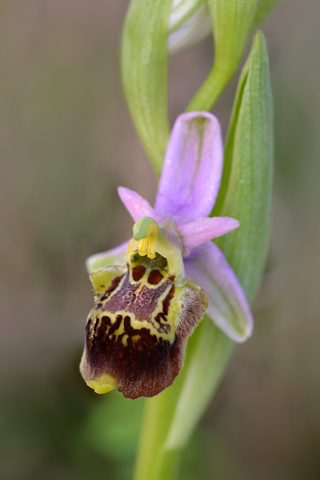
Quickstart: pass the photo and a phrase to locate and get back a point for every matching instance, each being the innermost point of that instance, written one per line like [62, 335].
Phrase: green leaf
[207, 356]
[263, 8]
[232, 24]
[144, 73]
[246, 189]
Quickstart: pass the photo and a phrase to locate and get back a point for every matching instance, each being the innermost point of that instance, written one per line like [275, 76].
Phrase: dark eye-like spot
[155, 277]
[138, 272]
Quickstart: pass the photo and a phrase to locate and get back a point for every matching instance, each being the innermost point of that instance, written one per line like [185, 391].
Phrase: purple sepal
[228, 306]
[192, 167]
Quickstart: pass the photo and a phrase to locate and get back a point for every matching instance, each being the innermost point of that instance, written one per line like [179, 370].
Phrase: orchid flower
[151, 292]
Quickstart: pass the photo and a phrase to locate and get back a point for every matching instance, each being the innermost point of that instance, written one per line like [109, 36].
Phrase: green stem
[153, 461]
[211, 89]
[171, 416]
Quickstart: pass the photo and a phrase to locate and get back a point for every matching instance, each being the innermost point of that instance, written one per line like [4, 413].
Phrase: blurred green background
[66, 143]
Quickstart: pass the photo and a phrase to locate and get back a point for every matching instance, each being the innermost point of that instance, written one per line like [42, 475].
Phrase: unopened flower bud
[189, 23]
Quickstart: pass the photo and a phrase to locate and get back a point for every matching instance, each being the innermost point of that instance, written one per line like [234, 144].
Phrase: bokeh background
[66, 143]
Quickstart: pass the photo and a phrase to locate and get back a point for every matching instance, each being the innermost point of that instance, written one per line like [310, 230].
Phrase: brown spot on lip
[94, 333]
[116, 325]
[115, 282]
[167, 300]
[155, 277]
[138, 272]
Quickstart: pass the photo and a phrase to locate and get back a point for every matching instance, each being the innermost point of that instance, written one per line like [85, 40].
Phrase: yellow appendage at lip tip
[104, 384]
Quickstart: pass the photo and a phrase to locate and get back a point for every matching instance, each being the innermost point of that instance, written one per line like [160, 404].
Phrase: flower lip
[138, 327]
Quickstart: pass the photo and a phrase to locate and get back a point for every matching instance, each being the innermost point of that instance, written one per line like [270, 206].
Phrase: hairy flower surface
[151, 292]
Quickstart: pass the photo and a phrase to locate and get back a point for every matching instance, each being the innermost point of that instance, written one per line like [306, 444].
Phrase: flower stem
[171, 416]
[154, 462]
[212, 88]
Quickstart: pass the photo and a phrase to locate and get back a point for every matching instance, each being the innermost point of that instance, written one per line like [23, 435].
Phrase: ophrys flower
[151, 293]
